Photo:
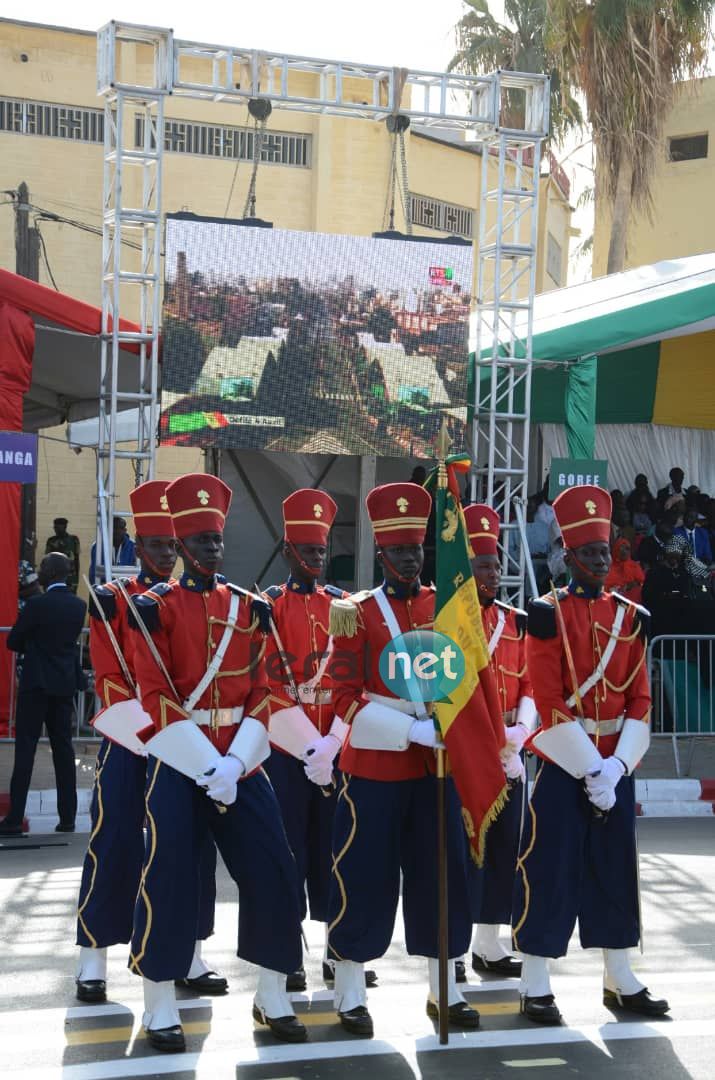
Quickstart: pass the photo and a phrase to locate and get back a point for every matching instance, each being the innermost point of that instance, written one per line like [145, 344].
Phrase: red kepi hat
[307, 516]
[198, 503]
[150, 509]
[483, 527]
[584, 515]
[399, 513]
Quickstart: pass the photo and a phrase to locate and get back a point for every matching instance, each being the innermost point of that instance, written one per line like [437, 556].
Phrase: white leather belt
[217, 717]
[414, 708]
[602, 727]
[309, 695]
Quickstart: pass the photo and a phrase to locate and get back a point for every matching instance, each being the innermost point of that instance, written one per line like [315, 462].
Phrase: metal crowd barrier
[84, 700]
[682, 674]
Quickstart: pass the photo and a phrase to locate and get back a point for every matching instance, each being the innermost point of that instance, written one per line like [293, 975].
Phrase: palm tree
[484, 44]
[627, 57]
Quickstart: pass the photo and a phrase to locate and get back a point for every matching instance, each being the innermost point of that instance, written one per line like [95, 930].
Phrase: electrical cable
[43, 246]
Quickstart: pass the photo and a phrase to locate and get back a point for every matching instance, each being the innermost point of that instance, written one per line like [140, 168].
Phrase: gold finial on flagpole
[443, 441]
[442, 446]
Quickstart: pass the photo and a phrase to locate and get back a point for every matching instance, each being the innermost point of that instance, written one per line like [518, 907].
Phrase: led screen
[312, 342]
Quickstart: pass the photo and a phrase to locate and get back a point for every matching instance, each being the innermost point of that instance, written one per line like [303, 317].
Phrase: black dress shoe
[460, 971]
[542, 1010]
[505, 965]
[285, 1028]
[9, 828]
[357, 1021]
[169, 1040]
[329, 976]
[461, 1015]
[208, 983]
[65, 826]
[296, 981]
[92, 991]
[641, 1003]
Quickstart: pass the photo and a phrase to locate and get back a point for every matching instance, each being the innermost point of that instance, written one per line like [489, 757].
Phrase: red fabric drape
[17, 344]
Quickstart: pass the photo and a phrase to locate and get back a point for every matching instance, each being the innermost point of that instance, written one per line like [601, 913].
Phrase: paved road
[45, 1034]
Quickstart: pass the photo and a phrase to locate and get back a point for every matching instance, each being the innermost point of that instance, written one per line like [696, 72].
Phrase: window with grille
[56, 121]
[224, 141]
[688, 147]
[442, 216]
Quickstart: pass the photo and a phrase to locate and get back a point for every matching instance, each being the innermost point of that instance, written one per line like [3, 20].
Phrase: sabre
[150, 643]
[567, 651]
[111, 635]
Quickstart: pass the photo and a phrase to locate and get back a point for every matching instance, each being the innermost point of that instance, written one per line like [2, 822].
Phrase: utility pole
[27, 264]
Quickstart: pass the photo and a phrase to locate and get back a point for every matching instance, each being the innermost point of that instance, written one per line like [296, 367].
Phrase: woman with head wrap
[626, 575]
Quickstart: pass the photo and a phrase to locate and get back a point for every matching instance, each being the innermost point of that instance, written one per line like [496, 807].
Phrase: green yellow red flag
[470, 722]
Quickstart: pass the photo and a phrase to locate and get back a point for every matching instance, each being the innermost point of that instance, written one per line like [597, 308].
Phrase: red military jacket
[355, 671]
[186, 623]
[301, 617]
[109, 682]
[622, 690]
[508, 658]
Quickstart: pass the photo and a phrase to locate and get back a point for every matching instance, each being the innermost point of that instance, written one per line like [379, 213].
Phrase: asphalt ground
[46, 1034]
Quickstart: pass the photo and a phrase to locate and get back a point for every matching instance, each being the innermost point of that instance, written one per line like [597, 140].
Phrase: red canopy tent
[49, 374]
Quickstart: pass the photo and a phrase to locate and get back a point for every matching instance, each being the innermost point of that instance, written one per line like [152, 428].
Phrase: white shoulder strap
[210, 673]
[605, 660]
[497, 631]
[312, 683]
[394, 628]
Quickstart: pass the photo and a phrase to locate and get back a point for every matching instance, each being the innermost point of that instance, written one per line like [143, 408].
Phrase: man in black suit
[46, 633]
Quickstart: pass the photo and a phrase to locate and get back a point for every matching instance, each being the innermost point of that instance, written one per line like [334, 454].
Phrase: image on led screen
[311, 342]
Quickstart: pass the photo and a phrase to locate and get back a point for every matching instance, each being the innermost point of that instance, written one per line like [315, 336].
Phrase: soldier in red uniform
[306, 735]
[505, 629]
[112, 864]
[385, 820]
[208, 703]
[586, 658]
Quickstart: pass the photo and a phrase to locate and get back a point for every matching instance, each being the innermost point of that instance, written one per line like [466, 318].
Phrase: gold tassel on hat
[343, 618]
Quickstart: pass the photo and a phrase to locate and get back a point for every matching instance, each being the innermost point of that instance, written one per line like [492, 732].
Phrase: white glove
[602, 798]
[611, 772]
[425, 733]
[221, 781]
[322, 751]
[322, 775]
[516, 736]
[513, 766]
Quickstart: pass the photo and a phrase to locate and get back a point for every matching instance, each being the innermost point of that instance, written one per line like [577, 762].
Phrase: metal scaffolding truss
[506, 282]
[133, 152]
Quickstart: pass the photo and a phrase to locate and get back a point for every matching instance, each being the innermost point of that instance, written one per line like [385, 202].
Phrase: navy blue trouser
[491, 888]
[113, 862]
[573, 865]
[253, 844]
[308, 818]
[382, 827]
[35, 708]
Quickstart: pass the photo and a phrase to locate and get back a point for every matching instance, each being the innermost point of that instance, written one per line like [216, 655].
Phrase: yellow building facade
[683, 186]
[323, 174]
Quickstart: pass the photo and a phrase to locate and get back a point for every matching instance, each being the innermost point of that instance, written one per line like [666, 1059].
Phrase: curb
[654, 798]
[675, 798]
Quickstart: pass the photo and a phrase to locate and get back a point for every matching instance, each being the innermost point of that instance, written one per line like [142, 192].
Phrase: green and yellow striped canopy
[653, 330]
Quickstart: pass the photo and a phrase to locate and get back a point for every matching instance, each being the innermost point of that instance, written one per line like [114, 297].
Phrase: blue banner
[18, 457]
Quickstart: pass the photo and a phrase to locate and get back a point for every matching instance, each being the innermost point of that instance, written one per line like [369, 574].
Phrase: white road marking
[534, 1063]
[205, 1066]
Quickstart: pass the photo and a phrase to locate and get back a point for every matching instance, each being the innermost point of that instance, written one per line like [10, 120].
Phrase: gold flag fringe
[489, 818]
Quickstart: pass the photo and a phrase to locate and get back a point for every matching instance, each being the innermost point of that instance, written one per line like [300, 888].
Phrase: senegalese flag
[470, 722]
